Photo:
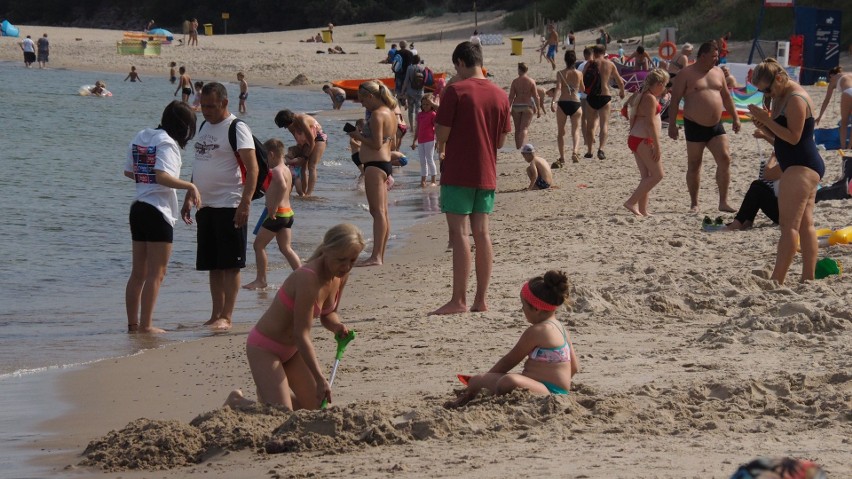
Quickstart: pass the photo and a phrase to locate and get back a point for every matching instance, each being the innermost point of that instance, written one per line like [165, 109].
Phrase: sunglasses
[768, 88]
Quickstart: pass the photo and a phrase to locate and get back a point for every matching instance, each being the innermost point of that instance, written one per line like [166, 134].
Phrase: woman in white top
[153, 162]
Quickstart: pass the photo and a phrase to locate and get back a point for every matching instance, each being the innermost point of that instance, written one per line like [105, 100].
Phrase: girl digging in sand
[279, 348]
[644, 139]
[551, 361]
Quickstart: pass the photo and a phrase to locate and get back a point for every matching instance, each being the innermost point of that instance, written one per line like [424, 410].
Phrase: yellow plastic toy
[841, 236]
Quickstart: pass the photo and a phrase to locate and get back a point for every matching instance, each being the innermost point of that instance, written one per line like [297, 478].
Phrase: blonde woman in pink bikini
[279, 348]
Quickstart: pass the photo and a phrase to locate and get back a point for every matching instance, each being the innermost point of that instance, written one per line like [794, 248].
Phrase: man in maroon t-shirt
[472, 124]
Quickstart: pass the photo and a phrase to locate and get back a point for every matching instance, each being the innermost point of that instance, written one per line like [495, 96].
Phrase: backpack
[592, 79]
[418, 78]
[259, 153]
[396, 65]
[430, 78]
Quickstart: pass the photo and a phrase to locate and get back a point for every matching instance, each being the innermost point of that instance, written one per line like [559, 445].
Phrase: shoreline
[691, 360]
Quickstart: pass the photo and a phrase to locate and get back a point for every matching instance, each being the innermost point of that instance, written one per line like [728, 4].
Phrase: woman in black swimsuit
[790, 129]
[377, 139]
[568, 82]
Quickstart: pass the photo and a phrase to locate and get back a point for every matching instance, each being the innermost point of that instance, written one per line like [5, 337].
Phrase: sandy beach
[692, 361]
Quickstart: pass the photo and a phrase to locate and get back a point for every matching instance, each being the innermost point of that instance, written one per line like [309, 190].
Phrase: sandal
[601, 155]
[558, 163]
[588, 155]
[575, 158]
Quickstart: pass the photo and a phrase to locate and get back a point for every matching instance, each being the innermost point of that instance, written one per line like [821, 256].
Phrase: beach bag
[396, 65]
[418, 78]
[592, 79]
[429, 77]
[259, 152]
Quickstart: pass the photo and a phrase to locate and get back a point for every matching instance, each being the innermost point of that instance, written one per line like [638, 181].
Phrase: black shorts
[278, 223]
[29, 57]
[187, 91]
[356, 158]
[148, 224]
[220, 245]
[697, 133]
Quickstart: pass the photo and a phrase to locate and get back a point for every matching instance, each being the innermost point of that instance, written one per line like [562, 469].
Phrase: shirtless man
[681, 60]
[837, 80]
[552, 44]
[524, 98]
[703, 89]
[599, 71]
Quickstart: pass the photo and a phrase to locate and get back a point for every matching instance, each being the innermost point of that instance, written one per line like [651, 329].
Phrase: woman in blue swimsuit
[550, 358]
[790, 129]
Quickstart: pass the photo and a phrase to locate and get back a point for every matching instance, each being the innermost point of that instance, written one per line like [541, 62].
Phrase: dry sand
[693, 362]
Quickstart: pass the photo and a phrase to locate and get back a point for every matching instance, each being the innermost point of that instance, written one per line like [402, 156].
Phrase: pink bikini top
[290, 304]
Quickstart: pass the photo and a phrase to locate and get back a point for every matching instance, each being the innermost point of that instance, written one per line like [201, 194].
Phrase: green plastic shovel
[342, 342]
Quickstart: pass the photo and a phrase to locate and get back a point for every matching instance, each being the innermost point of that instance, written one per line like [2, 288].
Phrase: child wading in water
[424, 140]
[279, 349]
[279, 217]
[243, 91]
[133, 76]
[644, 139]
[172, 73]
[551, 361]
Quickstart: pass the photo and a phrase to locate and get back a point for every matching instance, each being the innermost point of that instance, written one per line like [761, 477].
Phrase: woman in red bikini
[279, 348]
[644, 139]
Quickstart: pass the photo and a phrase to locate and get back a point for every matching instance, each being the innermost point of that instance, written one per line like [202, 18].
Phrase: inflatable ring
[667, 46]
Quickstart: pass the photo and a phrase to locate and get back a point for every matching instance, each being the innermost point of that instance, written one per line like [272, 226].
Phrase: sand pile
[776, 404]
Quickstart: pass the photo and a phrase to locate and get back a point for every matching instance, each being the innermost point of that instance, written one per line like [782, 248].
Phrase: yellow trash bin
[380, 41]
[326, 36]
[208, 29]
[517, 45]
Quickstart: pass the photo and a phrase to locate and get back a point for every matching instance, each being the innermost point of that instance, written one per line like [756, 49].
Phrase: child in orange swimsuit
[279, 348]
[550, 357]
[644, 139]
[277, 217]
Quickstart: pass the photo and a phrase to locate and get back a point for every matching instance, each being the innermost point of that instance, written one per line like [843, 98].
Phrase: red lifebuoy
[667, 46]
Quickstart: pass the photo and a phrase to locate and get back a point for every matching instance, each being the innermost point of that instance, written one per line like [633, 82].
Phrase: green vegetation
[696, 20]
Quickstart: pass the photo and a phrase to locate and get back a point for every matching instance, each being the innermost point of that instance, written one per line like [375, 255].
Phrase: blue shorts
[551, 51]
[463, 200]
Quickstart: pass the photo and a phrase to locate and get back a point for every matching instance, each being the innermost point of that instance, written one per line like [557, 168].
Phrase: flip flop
[463, 378]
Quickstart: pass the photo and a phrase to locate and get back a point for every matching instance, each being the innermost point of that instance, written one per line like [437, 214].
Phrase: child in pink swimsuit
[279, 348]
[550, 358]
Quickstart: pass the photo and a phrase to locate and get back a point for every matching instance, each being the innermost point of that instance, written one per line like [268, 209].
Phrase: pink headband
[534, 300]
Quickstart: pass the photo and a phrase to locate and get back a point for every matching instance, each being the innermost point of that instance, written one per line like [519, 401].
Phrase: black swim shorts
[699, 133]
[220, 245]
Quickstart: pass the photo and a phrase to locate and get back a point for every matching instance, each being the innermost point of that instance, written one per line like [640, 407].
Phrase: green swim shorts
[463, 200]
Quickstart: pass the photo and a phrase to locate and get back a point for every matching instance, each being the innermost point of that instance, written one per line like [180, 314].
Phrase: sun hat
[528, 148]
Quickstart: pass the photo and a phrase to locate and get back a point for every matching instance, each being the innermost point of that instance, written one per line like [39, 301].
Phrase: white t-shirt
[154, 150]
[215, 170]
[28, 45]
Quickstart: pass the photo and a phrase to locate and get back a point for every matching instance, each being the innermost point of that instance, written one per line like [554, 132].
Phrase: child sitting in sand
[279, 349]
[278, 217]
[644, 139]
[546, 345]
[541, 177]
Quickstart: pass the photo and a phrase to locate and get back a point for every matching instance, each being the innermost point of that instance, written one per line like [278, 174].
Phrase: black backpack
[259, 153]
[592, 79]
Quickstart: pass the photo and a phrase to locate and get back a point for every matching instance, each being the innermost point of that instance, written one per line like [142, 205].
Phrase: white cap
[528, 148]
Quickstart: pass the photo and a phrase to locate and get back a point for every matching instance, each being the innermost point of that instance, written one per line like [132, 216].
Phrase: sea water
[66, 247]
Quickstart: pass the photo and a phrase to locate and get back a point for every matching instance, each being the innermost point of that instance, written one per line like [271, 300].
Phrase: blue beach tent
[8, 30]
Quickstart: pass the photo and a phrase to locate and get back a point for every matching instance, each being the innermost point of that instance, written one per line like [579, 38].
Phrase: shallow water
[65, 234]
